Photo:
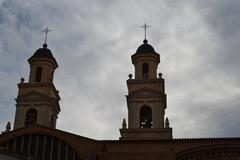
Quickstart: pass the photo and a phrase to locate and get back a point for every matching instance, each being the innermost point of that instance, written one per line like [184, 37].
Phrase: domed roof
[43, 53]
[145, 48]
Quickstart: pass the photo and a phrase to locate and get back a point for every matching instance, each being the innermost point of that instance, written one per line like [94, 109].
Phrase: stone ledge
[146, 134]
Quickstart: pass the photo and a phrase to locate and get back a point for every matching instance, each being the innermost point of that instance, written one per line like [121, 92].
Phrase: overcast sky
[93, 40]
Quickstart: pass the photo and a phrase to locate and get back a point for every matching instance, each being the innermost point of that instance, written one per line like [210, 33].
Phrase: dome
[43, 53]
[145, 48]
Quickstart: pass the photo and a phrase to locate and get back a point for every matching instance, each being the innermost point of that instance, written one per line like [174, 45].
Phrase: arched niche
[38, 76]
[145, 70]
[145, 117]
[31, 116]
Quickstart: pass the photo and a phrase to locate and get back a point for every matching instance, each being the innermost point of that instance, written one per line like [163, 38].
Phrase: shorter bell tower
[38, 99]
[146, 99]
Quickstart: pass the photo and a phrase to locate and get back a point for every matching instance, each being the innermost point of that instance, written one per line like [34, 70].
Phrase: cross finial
[145, 26]
[46, 30]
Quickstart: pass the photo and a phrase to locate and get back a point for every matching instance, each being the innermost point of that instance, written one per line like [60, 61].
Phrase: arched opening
[145, 71]
[38, 74]
[145, 117]
[31, 117]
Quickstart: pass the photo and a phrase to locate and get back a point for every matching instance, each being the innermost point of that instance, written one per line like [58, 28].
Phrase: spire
[46, 30]
[167, 124]
[145, 26]
[124, 124]
[8, 127]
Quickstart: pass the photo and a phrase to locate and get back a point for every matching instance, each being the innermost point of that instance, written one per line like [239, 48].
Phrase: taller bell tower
[38, 99]
[146, 99]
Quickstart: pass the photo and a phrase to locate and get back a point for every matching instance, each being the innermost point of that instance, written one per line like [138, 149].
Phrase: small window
[145, 117]
[38, 74]
[31, 116]
[145, 71]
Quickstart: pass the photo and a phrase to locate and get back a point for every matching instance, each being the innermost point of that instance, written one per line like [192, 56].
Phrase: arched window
[145, 71]
[31, 116]
[38, 74]
[145, 117]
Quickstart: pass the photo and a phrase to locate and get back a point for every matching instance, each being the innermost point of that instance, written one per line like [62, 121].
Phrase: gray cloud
[93, 41]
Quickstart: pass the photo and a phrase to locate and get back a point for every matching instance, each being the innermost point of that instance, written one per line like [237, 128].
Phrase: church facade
[145, 135]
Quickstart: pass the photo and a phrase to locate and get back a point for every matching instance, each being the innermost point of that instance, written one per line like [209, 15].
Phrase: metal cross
[145, 26]
[46, 32]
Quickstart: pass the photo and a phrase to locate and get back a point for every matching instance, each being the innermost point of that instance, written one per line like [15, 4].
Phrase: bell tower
[146, 99]
[38, 99]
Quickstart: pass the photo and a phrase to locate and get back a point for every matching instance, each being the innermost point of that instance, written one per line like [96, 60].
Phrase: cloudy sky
[92, 40]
